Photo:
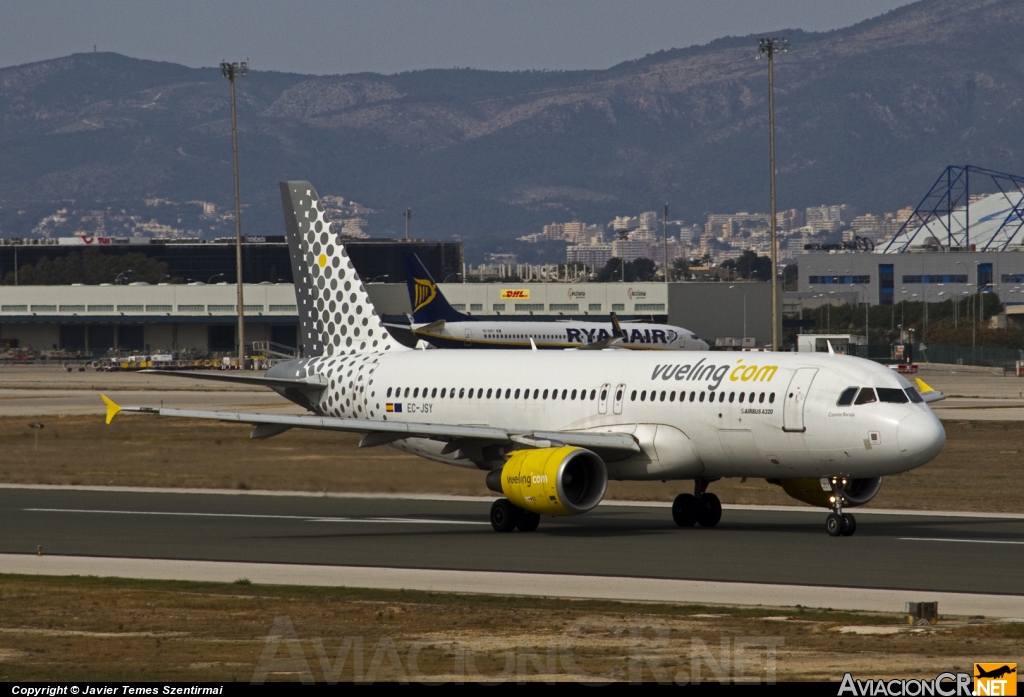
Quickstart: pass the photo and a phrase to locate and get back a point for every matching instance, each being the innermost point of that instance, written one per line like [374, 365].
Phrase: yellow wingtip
[112, 408]
[924, 386]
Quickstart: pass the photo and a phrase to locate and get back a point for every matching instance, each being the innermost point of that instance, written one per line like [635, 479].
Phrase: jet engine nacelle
[552, 481]
[856, 492]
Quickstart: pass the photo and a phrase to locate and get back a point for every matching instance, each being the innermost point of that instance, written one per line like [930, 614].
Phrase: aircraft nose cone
[920, 437]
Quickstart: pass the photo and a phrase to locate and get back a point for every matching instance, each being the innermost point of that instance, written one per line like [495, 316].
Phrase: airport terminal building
[199, 320]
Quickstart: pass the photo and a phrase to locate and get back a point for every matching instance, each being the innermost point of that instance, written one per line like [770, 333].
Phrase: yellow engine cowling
[855, 492]
[552, 481]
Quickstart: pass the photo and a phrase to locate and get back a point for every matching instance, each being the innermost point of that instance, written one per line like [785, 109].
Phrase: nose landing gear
[698, 508]
[838, 523]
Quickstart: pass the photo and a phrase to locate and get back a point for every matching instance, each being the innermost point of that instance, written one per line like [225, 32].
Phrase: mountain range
[867, 115]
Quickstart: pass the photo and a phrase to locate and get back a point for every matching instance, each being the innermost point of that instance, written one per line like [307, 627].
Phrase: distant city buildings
[161, 218]
[720, 237]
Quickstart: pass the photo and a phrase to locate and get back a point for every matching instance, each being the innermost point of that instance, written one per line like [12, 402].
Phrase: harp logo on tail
[426, 291]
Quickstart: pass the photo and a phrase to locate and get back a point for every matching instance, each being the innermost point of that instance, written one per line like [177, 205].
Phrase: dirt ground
[109, 630]
[980, 463]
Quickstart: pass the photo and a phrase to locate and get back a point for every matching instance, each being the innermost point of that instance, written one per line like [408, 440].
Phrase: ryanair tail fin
[335, 312]
[428, 304]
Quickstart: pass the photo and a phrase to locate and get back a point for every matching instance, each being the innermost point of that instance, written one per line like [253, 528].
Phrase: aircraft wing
[610, 342]
[383, 432]
[283, 383]
[928, 393]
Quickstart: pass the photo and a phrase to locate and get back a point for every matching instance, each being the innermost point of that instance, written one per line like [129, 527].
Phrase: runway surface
[940, 553]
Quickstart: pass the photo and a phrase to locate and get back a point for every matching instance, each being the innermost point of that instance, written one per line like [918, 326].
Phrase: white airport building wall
[176, 318]
[916, 276]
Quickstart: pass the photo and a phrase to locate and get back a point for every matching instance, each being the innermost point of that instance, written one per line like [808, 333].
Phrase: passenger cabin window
[389, 392]
[866, 396]
[914, 396]
[892, 395]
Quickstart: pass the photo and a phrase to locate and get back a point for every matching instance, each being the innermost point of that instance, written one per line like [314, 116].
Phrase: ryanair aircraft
[437, 322]
[547, 430]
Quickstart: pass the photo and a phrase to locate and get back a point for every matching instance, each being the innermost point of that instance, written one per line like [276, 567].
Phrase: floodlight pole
[231, 71]
[408, 217]
[768, 47]
[664, 232]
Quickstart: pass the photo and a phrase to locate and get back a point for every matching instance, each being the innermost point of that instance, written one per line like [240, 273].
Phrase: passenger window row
[866, 395]
[711, 396]
[491, 393]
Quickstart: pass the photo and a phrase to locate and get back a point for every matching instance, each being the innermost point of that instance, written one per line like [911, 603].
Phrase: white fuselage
[684, 409]
[558, 334]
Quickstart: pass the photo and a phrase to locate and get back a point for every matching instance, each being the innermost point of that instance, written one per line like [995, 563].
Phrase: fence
[994, 356]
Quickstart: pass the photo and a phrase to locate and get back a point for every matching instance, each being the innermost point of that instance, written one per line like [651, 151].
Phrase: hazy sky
[388, 36]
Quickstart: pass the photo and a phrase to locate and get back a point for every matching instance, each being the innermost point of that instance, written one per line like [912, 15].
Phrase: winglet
[924, 386]
[616, 328]
[830, 349]
[533, 344]
[112, 408]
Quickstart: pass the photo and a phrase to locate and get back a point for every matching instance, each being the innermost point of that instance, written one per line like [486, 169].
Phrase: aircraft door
[602, 406]
[469, 337]
[796, 395]
[620, 392]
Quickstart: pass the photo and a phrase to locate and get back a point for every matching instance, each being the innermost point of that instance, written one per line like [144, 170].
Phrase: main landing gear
[698, 508]
[838, 523]
[506, 517]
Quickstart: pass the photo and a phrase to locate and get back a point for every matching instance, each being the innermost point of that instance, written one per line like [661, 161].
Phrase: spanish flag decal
[426, 291]
[392, 407]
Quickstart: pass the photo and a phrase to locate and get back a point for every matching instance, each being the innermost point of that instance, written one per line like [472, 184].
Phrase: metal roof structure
[948, 220]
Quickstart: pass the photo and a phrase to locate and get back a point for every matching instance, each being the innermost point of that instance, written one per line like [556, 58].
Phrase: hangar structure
[199, 319]
[957, 242]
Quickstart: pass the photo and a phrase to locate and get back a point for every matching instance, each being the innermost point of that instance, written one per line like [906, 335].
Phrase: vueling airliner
[437, 322]
[547, 430]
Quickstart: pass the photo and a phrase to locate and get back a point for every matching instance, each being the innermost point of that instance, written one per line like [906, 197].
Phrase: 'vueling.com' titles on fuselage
[714, 373]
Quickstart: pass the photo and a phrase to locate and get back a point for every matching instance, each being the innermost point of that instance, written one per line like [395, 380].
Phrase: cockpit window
[914, 396]
[892, 395]
[846, 398]
[866, 396]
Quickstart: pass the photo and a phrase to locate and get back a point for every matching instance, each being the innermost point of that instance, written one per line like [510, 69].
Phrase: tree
[637, 270]
[91, 268]
[750, 265]
[680, 269]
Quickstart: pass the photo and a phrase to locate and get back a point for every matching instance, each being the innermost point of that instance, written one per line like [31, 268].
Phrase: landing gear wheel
[504, 515]
[834, 524]
[528, 521]
[710, 511]
[849, 524]
[685, 510]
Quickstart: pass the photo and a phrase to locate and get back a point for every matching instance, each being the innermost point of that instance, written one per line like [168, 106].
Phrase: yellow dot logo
[322, 260]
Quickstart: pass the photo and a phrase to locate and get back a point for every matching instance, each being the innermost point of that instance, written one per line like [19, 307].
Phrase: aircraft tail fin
[428, 303]
[335, 313]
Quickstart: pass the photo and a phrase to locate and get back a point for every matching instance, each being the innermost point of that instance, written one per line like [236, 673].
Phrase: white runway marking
[308, 519]
[947, 539]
